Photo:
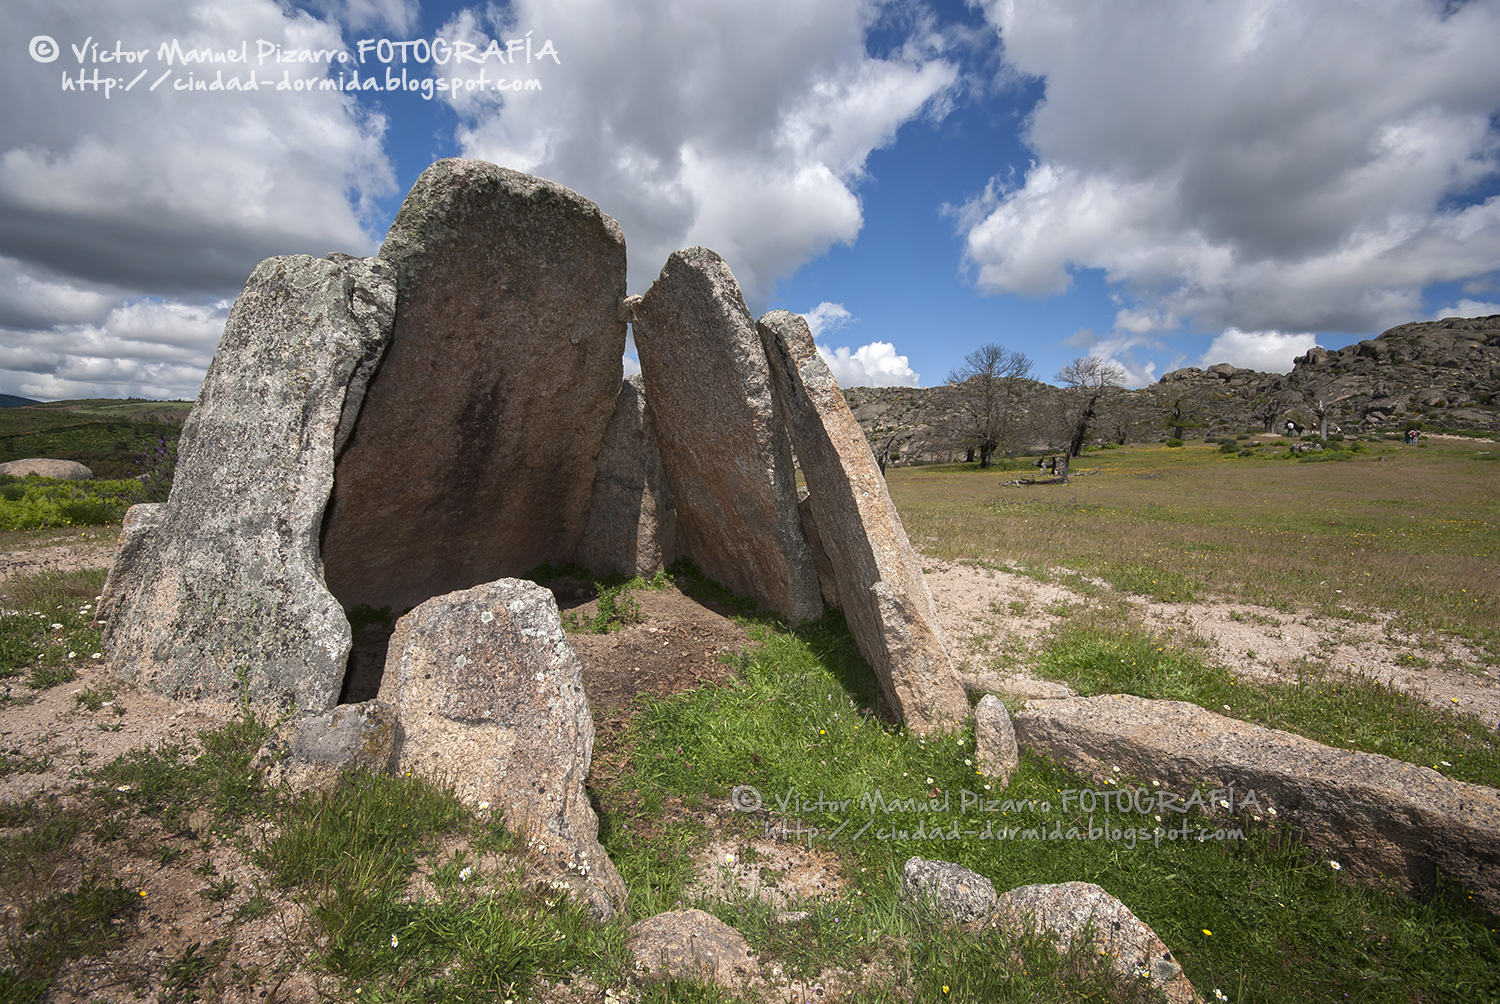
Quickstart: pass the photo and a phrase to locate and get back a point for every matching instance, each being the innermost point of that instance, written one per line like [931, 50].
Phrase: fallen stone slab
[952, 892]
[313, 751]
[995, 750]
[632, 526]
[881, 587]
[473, 457]
[224, 578]
[723, 439]
[62, 470]
[692, 944]
[1379, 818]
[1072, 910]
[491, 703]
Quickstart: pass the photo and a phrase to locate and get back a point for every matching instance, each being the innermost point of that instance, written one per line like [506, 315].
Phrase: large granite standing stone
[224, 577]
[723, 439]
[474, 455]
[1379, 818]
[632, 524]
[491, 702]
[881, 587]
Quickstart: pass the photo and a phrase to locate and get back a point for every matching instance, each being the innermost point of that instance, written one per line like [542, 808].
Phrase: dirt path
[994, 618]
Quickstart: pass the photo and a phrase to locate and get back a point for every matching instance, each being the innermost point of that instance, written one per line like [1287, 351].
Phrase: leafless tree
[990, 384]
[1088, 379]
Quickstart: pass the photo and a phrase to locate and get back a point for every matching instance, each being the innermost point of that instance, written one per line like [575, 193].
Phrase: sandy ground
[994, 618]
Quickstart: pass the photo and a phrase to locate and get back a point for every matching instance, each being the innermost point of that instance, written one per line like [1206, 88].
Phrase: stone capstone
[1380, 818]
[224, 578]
[491, 702]
[474, 455]
[953, 893]
[995, 747]
[315, 750]
[62, 470]
[1072, 910]
[881, 588]
[691, 944]
[632, 526]
[723, 438]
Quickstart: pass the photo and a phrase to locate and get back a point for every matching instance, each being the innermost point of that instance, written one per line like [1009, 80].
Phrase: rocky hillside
[1438, 375]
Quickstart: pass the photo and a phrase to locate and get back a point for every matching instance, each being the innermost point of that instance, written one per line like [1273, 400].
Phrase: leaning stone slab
[632, 524]
[62, 470]
[314, 750]
[491, 702]
[224, 577]
[474, 454]
[723, 440]
[1378, 817]
[995, 740]
[692, 944]
[881, 587]
[1069, 910]
[952, 892]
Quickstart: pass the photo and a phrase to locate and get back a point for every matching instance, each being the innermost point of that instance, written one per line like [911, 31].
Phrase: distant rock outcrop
[1444, 374]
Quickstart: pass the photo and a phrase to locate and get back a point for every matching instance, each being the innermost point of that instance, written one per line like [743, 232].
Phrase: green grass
[1415, 533]
[1284, 926]
[48, 628]
[35, 502]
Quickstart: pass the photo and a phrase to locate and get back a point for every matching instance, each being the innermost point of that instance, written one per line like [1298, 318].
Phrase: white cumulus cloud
[1267, 351]
[872, 365]
[826, 318]
[1266, 165]
[742, 127]
[124, 222]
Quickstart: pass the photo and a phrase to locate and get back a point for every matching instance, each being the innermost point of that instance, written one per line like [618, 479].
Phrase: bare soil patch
[994, 617]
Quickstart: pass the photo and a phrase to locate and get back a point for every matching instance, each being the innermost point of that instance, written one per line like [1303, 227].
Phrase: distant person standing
[1411, 437]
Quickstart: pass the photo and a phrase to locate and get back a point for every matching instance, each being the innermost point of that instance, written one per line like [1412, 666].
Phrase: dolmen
[414, 432]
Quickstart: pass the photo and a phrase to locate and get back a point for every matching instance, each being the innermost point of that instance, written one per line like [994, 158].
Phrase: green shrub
[1174, 442]
[1230, 446]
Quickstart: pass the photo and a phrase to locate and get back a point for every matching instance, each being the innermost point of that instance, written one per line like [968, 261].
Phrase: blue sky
[1177, 184]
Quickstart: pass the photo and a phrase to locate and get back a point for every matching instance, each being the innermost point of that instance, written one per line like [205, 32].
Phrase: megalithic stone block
[632, 524]
[723, 440]
[224, 577]
[881, 588]
[474, 455]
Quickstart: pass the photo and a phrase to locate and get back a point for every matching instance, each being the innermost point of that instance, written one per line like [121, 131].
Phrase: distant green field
[1414, 530]
[105, 435]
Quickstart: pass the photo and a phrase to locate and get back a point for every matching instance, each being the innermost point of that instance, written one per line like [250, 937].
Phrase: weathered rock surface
[314, 750]
[491, 703]
[692, 943]
[881, 587]
[1024, 687]
[954, 893]
[995, 746]
[474, 454]
[62, 470]
[225, 576]
[723, 439]
[1068, 910]
[1378, 817]
[632, 525]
